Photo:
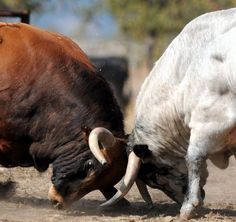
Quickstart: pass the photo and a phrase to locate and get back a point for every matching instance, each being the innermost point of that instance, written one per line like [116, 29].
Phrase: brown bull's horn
[131, 173]
[105, 138]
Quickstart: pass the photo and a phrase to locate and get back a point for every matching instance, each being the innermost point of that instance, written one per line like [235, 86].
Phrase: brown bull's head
[99, 165]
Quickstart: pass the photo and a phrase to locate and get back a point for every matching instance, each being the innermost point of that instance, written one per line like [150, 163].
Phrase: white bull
[186, 109]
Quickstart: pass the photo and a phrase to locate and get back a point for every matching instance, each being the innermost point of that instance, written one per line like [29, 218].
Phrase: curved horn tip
[128, 180]
[118, 196]
[104, 162]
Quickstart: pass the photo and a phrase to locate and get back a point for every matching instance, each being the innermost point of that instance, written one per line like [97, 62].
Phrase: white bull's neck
[163, 130]
[194, 72]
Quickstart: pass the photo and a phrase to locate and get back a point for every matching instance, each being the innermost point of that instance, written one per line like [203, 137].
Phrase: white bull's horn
[105, 138]
[131, 173]
[142, 187]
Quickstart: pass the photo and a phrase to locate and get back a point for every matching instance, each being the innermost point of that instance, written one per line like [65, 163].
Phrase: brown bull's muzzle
[61, 202]
[57, 200]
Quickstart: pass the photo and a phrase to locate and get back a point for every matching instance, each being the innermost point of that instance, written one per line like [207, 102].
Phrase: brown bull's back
[18, 40]
[49, 89]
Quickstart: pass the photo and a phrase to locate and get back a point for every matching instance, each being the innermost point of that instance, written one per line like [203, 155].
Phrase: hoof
[196, 203]
[186, 216]
[187, 211]
[7, 189]
[58, 206]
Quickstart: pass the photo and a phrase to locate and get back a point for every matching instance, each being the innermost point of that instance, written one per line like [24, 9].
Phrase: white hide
[192, 87]
[187, 105]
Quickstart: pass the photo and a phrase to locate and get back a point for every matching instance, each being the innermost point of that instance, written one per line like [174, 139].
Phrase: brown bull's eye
[90, 165]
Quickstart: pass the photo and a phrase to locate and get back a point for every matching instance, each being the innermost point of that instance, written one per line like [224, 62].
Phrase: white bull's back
[194, 82]
[190, 63]
[187, 58]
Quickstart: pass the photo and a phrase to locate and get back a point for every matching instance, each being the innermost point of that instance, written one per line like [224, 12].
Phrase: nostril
[54, 202]
[184, 189]
[202, 193]
[58, 206]
[56, 199]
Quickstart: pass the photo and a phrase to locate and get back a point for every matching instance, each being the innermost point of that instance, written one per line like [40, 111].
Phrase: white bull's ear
[142, 151]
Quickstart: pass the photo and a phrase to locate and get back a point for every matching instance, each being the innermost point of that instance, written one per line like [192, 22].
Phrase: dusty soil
[30, 203]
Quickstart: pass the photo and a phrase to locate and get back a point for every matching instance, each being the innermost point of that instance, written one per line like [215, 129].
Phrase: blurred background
[123, 38]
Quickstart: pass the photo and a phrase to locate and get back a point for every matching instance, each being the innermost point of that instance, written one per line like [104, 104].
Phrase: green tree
[155, 22]
[21, 4]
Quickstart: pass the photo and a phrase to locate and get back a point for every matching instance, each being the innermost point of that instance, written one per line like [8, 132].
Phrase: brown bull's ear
[86, 131]
[142, 151]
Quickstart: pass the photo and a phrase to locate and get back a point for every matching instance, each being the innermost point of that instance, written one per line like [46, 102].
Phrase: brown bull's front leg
[196, 163]
[110, 192]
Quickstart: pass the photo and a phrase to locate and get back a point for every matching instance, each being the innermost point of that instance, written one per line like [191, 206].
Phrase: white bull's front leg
[196, 164]
[205, 139]
[212, 122]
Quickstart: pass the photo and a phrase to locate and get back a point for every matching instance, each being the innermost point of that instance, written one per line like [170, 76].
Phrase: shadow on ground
[91, 208]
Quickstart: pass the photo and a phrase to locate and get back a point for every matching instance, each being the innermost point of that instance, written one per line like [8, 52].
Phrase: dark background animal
[116, 71]
[51, 97]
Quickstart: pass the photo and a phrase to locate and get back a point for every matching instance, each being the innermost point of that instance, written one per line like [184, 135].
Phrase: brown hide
[14, 153]
[48, 91]
[25, 51]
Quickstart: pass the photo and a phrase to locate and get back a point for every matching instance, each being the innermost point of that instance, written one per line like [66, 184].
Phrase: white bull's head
[172, 181]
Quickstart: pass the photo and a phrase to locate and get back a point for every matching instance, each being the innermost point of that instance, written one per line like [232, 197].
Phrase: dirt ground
[29, 203]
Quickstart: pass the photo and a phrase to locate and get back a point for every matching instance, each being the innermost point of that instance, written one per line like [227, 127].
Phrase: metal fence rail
[23, 15]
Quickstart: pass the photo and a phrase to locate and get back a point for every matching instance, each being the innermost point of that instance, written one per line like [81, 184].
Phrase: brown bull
[55, 109]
